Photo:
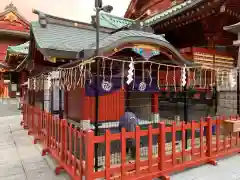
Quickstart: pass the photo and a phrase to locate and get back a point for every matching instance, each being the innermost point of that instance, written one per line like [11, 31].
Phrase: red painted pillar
[1, 85]
[155, 103]
[155, 108]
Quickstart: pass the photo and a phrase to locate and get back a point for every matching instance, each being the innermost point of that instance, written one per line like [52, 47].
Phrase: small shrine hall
[69, 68]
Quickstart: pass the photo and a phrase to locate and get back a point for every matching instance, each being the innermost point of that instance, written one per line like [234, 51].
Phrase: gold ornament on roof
[11, 17]
[2, 70]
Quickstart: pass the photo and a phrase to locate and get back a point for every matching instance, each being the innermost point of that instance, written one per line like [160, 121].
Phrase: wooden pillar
[66, 104]
[60, 104]
[155, 103]
[238, 78]
[155, 107]
[1, 85]
[22, 79]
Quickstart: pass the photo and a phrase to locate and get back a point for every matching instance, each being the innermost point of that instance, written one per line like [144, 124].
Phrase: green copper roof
[19, 49]
[174, 10]
[113, 22]
[63, 38]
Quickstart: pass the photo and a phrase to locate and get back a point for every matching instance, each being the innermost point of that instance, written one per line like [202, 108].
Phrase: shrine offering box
[232, 125]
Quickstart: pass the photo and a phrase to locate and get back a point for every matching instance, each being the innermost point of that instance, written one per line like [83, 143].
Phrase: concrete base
[155, 117]
[85, 125]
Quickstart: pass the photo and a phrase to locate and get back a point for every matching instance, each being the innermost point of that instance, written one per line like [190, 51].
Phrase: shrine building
[194, 27]
[14, 30]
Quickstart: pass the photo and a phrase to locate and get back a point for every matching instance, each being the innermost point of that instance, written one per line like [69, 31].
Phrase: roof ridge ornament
[10, 6]
[42, 18]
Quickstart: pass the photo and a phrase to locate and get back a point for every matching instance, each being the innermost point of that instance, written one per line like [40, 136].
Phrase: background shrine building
[14, 30]
[191, 27]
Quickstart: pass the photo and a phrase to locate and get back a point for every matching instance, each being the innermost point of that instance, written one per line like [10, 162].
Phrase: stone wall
[227, 103]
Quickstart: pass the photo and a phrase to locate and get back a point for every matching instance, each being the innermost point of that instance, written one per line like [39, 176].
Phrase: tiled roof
[10, 8]
[19, 49]
[69, 37]
[113, 22]
[127, 34]
[63, 38]
[172, 11]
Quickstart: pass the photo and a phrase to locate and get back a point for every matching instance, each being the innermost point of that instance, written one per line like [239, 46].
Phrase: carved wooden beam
[131, 9]
[190, 16]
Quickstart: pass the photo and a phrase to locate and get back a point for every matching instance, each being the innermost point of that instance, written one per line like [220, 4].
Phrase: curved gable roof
[113, 22]
[126, 36]
[19, 49]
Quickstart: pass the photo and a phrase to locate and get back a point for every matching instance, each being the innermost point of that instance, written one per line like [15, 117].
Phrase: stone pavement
[20, 159]
[227, 169]
[9, 107]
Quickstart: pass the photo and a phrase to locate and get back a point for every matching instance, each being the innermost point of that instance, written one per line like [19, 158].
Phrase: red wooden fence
[74, 149]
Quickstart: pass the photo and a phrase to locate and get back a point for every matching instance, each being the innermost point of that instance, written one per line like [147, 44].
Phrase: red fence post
[37, 126]
[174, 144]
[89, 140]
[107, 154]
[47, 119]
[161, 149]
[209, 141]
[161, 146]
[218, 126]
[78, 134]
[138, 153]
[201, 138]
[31, 119]
[63, 139]
[123, 151]
[150, 152]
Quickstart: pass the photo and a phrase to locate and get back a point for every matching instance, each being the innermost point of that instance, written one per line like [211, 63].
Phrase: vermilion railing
[74, 148]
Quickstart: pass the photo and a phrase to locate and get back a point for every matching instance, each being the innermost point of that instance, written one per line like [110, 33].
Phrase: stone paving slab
[20, 159]
[15, 177]
[227, 169]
